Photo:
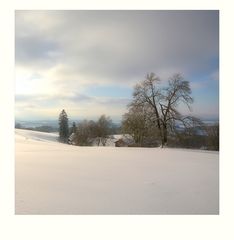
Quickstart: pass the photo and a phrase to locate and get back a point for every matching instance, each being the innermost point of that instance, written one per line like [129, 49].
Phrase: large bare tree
[163, 102]
[147, 94]
[177, 92]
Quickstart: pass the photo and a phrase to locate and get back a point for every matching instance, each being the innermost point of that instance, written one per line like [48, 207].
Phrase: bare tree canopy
[160, 104]
[87, 131]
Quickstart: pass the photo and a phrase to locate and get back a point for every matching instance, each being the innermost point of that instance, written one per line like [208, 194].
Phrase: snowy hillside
[22, 135]
[55, 178]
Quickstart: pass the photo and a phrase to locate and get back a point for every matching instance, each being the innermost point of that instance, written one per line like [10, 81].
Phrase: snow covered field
[55, 178]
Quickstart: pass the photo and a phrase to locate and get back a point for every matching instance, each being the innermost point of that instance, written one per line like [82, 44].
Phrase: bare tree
[176, 93]
[146, 93]
[163, 102]
[138, 124]
[103, 129]
[134, 124]
[83, 133]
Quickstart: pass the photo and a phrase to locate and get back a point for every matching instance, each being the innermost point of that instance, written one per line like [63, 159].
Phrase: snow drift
[55, 178]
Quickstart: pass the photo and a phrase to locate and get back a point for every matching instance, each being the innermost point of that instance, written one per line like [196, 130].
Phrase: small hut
[121, 143]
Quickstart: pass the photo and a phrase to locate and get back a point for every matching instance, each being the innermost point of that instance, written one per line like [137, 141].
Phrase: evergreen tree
[63, 126]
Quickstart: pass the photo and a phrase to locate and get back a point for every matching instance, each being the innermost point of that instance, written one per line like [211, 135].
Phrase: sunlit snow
[56, 178]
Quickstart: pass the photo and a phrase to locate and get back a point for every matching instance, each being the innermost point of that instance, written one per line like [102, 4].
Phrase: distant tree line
[85, 132]
[206, 138]
[43, 128]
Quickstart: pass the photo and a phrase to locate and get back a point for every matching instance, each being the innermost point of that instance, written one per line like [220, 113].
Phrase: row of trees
[86, 131]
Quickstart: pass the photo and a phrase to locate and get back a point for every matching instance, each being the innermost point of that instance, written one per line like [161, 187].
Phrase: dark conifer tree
[63, 126]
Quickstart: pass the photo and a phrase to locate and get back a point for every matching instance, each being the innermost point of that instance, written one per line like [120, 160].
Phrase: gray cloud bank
[116, 45]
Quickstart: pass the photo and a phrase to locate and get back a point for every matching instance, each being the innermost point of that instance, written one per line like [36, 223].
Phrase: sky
[87, 62]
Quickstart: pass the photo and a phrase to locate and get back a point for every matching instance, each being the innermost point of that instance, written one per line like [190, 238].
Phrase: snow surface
[55, 178]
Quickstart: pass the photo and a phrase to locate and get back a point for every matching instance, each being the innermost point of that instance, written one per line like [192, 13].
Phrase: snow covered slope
[55, 178]
[35, 135]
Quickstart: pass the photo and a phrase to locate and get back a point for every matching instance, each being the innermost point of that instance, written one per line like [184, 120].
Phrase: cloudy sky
[87, 62]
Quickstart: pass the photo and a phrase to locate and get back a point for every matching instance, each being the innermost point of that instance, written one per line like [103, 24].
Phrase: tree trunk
[164, 140]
